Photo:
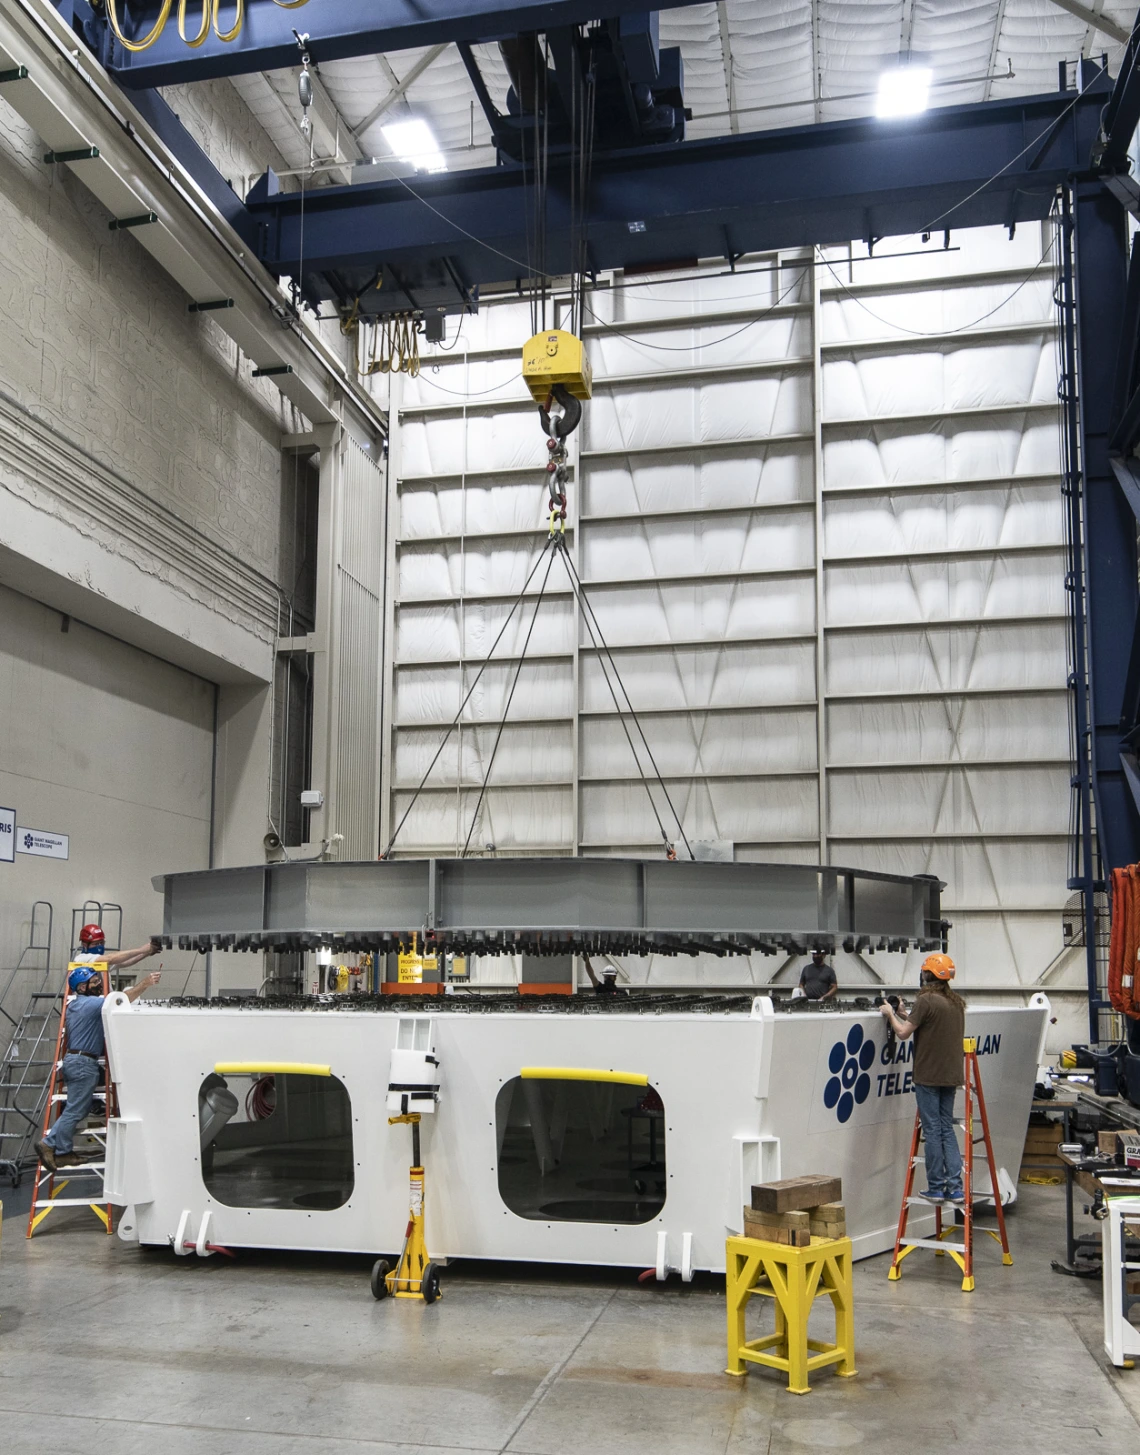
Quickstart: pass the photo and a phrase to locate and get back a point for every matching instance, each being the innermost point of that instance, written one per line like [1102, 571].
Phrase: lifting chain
[557, 471]
[558, 428]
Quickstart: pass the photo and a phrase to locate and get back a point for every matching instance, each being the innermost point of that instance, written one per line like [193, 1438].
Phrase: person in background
[607, 985]
[817, 980]
[83, 1031]
[937, 1021]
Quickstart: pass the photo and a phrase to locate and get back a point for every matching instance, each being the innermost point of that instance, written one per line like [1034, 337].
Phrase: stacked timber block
[796, 1211]
[1042, 1139]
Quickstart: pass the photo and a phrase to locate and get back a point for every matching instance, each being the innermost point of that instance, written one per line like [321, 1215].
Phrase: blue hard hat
[80, 976]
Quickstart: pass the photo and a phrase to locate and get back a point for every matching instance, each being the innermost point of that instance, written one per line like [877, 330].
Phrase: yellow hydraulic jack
[415, 1275]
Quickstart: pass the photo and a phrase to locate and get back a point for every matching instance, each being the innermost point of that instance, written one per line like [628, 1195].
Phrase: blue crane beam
[336, 31]
[953, 167]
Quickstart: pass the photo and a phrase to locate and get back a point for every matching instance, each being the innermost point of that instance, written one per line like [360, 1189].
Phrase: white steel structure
[532, 1151]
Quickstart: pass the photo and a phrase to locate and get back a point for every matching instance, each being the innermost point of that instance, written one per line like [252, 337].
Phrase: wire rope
[933, 223]
[589, 613]
[617, 706]
[514, 262]
[604, 654]
[455, 721]
[507, 705]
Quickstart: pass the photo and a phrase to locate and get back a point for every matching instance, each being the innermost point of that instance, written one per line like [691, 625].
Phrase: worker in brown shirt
[937, 1020]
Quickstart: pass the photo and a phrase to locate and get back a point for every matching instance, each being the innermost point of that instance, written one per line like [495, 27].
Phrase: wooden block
[1044, 1136]
[762, 1227]
[793, 1193]
[794, 1219]
[1106, 1142]
[829, 1230]
[829, 1212]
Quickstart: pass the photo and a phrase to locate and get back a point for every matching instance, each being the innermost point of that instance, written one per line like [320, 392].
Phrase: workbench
[1112, 1111]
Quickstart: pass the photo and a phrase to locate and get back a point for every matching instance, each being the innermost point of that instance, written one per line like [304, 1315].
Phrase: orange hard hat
[940, 966]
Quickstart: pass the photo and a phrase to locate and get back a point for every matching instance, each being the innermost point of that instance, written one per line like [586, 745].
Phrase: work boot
[46, 1154]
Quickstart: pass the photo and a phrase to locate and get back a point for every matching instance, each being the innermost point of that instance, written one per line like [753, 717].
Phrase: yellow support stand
[793, 1278]
[415, 1275]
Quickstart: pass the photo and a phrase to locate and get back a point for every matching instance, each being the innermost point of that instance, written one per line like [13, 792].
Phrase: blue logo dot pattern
[849, 1062]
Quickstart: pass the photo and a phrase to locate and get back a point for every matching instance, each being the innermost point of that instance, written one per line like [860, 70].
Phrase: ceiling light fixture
[414, 143]
[903, 91]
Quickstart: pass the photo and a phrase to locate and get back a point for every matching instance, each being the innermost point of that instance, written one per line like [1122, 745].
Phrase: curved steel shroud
[551, 906]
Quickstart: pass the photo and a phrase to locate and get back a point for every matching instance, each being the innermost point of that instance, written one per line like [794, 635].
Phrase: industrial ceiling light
[904, 90]
[414, 143]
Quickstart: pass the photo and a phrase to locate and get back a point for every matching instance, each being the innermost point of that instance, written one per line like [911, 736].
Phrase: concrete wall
[167, 505]
[111, 746]
[141, 492]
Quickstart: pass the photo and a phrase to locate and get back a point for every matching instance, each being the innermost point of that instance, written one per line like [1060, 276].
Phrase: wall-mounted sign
[36, 841]
[7, 835]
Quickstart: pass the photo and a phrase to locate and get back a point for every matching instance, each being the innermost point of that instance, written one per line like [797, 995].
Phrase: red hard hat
[91, 935]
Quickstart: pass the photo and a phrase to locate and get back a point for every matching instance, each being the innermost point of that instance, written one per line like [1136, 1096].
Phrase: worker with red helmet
[937, 1020]
[83, 1030]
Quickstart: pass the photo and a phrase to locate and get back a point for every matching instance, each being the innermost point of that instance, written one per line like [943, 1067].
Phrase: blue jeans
[943, 1159]
[83, 1077]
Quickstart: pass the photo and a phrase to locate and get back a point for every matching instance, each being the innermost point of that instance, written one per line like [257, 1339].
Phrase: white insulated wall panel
[712, 510]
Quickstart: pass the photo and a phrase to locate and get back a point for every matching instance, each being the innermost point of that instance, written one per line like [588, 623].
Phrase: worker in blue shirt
[83, 1030]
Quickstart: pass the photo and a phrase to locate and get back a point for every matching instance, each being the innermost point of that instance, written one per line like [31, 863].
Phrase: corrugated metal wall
[817, 511]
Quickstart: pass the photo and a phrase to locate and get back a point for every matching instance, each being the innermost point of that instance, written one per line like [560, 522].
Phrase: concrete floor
[104, 1348]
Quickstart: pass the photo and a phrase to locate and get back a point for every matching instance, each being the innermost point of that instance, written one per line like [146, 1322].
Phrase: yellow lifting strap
[556, 357]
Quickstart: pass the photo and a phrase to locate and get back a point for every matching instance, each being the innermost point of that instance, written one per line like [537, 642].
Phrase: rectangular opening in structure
[282, 1140]
[581, 1151]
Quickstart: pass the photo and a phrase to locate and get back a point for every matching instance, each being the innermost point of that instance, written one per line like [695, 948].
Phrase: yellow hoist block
[553, 358]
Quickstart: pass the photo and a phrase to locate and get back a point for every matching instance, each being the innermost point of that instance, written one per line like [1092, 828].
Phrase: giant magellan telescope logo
[849, 1062]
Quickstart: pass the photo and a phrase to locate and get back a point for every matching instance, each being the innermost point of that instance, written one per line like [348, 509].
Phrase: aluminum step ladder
[28, 1018]
[961, 1252]
[88, 1176]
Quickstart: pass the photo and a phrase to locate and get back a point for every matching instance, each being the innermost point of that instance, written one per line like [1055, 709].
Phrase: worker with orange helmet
[83, 1029]
[937, 1020]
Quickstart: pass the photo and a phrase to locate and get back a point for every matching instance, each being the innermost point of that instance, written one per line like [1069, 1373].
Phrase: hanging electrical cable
[395, 344]
[211, 10]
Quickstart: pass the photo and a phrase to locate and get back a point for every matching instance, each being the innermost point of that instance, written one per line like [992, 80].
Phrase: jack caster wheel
[380, 1271]
[429, 1285]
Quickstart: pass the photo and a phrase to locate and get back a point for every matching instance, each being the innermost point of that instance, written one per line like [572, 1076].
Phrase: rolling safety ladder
[961, 1252]
[27, 1056]
[49, 1185]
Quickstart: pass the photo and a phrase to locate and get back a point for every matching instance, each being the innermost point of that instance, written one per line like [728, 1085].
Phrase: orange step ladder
[48, 1185]
[961, 1252]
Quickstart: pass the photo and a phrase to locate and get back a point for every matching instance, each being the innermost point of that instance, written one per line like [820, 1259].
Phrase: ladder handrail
[31, 948]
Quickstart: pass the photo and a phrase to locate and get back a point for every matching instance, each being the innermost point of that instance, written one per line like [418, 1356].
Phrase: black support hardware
[211, 305]
[117, 224]
[77, 154]
[272, 370]
[17, 73]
